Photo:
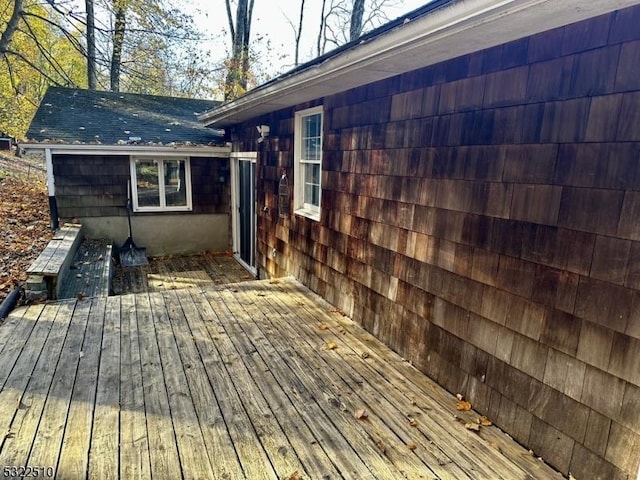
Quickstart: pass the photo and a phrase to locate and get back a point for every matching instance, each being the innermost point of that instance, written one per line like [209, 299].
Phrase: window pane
[147, 183]
[311, 136]
[175, 187]
[312, 184]
[312, 125]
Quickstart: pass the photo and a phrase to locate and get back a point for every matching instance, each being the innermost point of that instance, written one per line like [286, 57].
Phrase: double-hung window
[160, 184]
[308, 162]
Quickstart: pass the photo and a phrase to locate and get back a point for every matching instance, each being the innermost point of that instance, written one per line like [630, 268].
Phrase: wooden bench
[47, 271]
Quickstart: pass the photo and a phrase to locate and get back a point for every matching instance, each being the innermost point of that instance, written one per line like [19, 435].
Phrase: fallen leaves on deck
[463, 406]
[331, 345]
[472, 426]
[24, 222]
[361, 414]
[484, 421]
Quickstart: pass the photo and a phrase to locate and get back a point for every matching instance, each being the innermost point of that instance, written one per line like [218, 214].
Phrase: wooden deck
[176, 272]
[253, 380]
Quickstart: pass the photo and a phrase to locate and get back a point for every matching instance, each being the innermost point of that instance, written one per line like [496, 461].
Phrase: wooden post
[51, 187]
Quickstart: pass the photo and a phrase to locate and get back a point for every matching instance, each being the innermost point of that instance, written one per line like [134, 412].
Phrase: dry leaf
[361, 414]
[463, 406]
[472, 426]
[484, 421]
[413, 422]
[295, 476]
[337, 310]
[322, 326]
[459, 396]
[331, 345]
[411, 446]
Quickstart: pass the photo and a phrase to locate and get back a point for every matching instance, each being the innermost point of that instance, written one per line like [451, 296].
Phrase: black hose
[10, 302]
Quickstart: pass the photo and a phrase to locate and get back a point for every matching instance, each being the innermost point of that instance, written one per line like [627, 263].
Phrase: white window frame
[163, 206]
[300, 207]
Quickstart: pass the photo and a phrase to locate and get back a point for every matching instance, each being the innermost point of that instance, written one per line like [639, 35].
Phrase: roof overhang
[454, 29]
[164, 150]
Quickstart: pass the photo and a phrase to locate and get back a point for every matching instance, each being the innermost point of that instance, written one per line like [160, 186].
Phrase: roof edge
[472, 24]
[167, 150]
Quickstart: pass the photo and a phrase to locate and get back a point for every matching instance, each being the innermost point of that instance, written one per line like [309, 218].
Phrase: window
[308, 162]
[160, 184]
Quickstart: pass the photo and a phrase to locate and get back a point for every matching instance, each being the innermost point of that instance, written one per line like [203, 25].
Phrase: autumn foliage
[24, 225]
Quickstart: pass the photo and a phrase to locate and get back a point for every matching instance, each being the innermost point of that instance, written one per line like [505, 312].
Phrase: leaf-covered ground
[24, 220]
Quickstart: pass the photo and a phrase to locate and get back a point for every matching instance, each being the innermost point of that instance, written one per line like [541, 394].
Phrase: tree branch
[232, 29]
[12, 26]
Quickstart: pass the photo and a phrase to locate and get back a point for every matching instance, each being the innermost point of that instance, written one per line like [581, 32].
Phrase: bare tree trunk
[357, 14]
[299, 34]
[238, 68]
[12, 26]
[118, 41]
[319, 50]
[92, 78]
[245, 45]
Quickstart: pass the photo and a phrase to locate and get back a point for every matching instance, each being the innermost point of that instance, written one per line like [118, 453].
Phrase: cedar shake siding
[480, 216]
[96, 186]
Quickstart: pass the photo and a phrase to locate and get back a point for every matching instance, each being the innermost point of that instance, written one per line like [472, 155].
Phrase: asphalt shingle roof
[77, 116]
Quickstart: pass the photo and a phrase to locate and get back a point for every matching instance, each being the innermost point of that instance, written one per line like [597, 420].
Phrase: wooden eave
[164, 150]
[454, 29]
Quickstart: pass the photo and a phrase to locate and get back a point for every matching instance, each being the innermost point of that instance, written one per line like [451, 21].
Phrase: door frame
[235, 158]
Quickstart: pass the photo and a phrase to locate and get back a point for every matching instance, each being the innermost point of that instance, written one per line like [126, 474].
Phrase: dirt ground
[24, 219]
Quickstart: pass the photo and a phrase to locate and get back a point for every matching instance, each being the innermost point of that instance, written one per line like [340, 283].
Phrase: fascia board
[456, 29]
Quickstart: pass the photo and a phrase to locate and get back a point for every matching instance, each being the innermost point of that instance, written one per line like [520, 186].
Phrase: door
[245, 211]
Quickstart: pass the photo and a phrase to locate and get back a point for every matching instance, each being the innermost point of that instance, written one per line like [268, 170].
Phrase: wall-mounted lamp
[263, 130]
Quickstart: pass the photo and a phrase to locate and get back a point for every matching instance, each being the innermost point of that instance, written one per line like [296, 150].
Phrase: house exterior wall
[93, 190]
[480, 216]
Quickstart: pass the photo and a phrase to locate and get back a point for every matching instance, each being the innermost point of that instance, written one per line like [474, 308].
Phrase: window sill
[310, 214]
[161, 210]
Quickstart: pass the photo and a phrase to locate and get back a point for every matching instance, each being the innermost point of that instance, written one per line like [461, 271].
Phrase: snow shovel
[130, 254]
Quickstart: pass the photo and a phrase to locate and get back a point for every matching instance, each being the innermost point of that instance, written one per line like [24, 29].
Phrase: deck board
[105, 434]
[189, 335]
[250, 380]
[163, 451]
[74, 455]
[348, 385]
[24, 421]
[134, 442]
[45, 450]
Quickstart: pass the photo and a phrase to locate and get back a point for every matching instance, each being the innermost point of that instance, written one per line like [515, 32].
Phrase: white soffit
[165, 150]
[456, 29]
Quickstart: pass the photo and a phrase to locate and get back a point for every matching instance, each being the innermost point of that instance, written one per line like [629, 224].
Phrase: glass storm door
[246, 205]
